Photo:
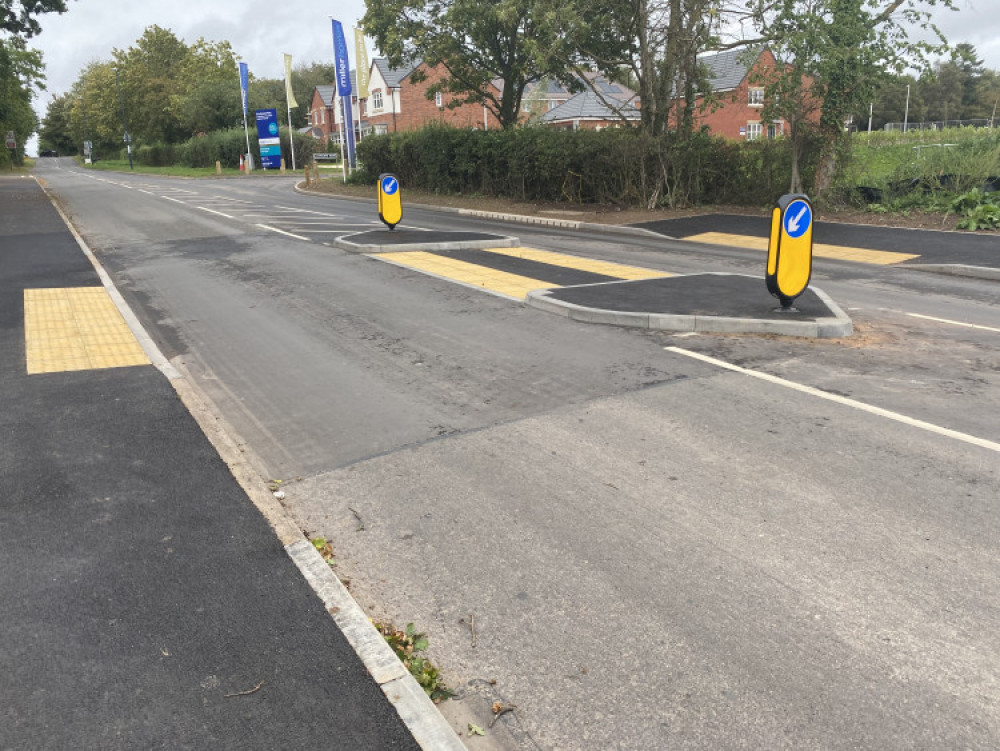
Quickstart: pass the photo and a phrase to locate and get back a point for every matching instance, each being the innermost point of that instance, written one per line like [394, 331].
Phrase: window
[775, 128]
[756, 98]
[376, 100]
[322, 116]
[753, 131]
[438, 98]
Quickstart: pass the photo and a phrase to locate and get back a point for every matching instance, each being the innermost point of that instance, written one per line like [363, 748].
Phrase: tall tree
[845, 47]
[475, 43]
[20, 73]
[19, 17]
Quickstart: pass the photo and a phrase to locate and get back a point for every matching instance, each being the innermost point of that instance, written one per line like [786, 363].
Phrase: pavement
[154, 594]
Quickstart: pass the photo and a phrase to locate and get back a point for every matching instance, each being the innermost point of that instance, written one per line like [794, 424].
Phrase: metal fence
[940, 125]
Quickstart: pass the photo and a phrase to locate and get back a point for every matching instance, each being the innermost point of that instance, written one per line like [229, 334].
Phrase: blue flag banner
[342, 64]
[244, 85]
[269, 139]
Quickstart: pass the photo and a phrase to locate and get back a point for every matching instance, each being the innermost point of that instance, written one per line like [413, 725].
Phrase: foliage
[978, 209]
[475, 42]
[20, 71]
[407, 644]
[845, 47]
[614, 166]
[18, 17]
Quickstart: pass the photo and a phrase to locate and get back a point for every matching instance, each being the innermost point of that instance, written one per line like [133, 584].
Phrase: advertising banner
[342, 65]
[270, 141]
[289, 95]
[244, 85]
[361, 61]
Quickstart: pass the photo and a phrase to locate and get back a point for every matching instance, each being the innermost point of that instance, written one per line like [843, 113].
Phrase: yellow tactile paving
[606, 268]
[76, 328]
[501, 282]
[839, 252]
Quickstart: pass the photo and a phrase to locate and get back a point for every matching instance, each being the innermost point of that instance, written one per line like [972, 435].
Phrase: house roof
[588, 106]
[393, 77]
[326, 94]
[726, 70]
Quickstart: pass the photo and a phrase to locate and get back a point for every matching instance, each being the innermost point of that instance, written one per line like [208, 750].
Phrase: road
[655, 550]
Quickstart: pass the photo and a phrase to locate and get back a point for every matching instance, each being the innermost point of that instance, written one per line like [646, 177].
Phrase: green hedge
[223, 146]
[614, 166]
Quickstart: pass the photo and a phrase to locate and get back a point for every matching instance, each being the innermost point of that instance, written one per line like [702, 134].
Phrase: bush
[616, 166]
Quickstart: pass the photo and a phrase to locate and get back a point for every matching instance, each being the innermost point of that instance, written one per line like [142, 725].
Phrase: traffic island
[406, 239]
[710, 303]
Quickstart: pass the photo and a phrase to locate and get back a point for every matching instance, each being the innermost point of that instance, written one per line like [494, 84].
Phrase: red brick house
[737, 86]
[604, 105]
[396, 102]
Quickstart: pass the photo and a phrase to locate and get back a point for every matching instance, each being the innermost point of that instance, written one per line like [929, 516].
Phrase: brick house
[397, 103]
[321, 112]
[738, 90]
[604, 105]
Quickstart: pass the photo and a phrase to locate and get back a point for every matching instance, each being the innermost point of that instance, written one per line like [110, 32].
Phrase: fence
[940, 125]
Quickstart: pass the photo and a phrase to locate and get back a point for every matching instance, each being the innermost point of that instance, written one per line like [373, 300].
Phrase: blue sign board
[342, 64]
[390, 185]
[270, 141]
[797, 218]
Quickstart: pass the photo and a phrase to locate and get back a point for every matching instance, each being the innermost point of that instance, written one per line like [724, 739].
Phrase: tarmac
[155, 594]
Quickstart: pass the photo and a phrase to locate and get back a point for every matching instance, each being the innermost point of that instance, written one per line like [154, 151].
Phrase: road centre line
[954, 323]
[282, 232]
[843, 400]
[213, 211]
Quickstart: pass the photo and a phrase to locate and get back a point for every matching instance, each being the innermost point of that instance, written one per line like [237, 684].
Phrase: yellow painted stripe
[500, 282]
[606, 268]
[76, 328]
[839, 252]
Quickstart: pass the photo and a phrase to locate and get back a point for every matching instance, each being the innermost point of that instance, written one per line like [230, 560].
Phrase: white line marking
[175, 200]
[282, 232]
[912, 422]
[213, 211]
[148, 193]
[954, 323]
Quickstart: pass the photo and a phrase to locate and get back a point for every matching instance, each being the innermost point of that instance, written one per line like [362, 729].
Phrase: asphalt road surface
[641, 540]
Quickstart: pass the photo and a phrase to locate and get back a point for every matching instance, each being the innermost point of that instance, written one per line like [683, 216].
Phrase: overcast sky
[260, 31]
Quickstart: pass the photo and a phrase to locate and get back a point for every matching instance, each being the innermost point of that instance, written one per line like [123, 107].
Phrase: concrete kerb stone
[344, 244]
[955, 269]
[828, 327]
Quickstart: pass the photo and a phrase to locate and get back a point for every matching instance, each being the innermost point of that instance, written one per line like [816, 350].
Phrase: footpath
[146, 602]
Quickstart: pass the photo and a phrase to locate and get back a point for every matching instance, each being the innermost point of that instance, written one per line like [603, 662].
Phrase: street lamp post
[128, 138]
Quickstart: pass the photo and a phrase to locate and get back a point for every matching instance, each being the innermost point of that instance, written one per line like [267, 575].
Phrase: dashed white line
[213, 211]
[905, 420]
[282, 232]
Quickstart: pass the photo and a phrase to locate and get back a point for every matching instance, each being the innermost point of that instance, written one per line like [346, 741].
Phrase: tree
[846, 48]
[653, 44]
[18, 16]
[20, 72]
[476, 43]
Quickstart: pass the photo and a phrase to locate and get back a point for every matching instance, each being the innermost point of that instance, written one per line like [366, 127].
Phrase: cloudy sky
[260, 31]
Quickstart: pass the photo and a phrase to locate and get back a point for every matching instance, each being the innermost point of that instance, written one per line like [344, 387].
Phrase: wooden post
[282, 165]
[218, 167]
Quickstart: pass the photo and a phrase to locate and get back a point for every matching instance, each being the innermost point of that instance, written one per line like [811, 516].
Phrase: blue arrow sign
[389, 185]
[798, 218]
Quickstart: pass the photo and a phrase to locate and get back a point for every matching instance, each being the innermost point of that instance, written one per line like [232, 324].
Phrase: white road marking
[175, 200]
[213, 211]
[954, 323]
[282, 232]
[905, 420]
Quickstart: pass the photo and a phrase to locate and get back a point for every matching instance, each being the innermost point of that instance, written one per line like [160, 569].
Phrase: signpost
[789, 252]
[390, 204]
[11, 140]
[268, 138]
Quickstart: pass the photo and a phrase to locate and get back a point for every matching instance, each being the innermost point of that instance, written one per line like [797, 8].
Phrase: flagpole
[289, 98]
[245, 96]
[340, 140]
[343, 139]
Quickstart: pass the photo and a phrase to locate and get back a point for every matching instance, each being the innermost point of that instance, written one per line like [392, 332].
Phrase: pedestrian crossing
[514, 272]
[820, 250]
